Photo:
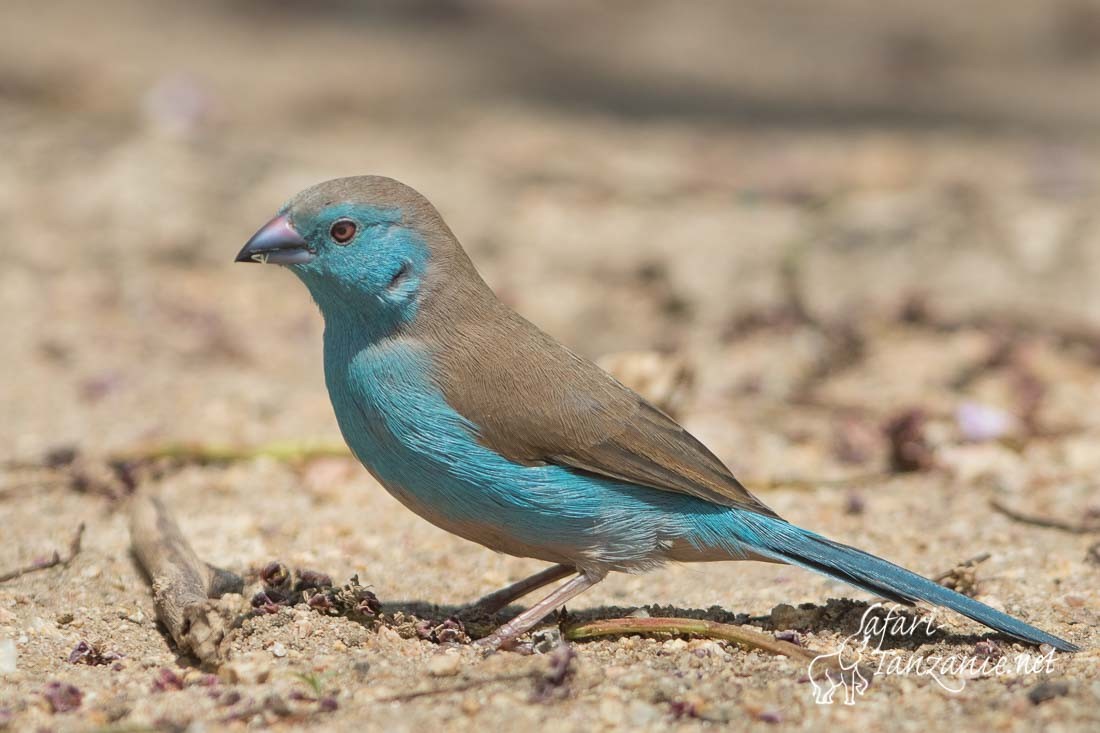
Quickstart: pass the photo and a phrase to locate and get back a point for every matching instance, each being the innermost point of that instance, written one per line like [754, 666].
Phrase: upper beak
[277, 243]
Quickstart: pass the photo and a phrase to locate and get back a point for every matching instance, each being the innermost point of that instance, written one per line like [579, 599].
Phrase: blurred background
[633, 175]
[853, 245]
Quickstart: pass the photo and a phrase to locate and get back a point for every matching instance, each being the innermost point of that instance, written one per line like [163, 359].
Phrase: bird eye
[342, 231]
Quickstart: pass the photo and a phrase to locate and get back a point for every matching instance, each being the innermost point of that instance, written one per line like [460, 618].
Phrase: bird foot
[488, 643]
[504, 640]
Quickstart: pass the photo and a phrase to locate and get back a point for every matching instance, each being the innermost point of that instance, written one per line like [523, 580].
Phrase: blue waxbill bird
[485, 426]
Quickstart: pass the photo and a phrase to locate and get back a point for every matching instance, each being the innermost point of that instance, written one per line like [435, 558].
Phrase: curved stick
[182, 584]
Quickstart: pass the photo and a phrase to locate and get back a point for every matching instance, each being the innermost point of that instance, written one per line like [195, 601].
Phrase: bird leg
[523, 622]
[490, 604]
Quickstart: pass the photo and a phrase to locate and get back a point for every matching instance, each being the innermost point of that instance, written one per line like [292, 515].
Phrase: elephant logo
[840, 670]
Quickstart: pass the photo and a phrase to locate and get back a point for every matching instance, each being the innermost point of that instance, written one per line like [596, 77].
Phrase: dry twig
[212, 453]
[963, 578]
[1048, 522]
[458, 687]
[53, 561]
[549, 681]
[182, 584]
[968, 563]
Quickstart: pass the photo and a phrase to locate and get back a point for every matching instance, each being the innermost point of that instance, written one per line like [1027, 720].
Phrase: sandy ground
[818, 282]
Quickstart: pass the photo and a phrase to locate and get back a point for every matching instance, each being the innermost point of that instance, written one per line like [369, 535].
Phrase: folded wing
[534, 401]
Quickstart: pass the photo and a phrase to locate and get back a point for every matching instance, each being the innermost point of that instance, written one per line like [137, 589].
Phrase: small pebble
[303, 628]
[978, 422]
[706, 648]
[444, 665]
[674, 645]
[278, 649]
[135, 617]
[9, 657]
[248, 669]
[546, 640]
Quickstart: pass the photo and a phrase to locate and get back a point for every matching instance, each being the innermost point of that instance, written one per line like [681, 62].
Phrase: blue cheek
[373, 281]
[399, 262]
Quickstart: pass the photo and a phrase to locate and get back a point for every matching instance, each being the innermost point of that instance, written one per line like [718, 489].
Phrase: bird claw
[495, 642]
[487, 646]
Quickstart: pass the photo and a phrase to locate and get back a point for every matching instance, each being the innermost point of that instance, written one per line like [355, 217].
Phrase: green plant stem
[202, 453]
[745, 638]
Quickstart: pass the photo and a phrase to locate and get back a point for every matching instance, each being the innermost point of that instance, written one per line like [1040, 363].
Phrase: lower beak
[277, 243]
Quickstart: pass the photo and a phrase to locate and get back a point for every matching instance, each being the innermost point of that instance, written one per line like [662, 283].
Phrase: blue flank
[397, 422]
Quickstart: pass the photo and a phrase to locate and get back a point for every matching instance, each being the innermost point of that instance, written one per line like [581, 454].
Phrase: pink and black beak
[277, 243]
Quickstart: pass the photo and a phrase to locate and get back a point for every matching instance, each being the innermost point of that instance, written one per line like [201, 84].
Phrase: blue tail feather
[801, 547]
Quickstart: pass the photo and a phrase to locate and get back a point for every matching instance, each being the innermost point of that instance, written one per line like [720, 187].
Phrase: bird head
[366, 245]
